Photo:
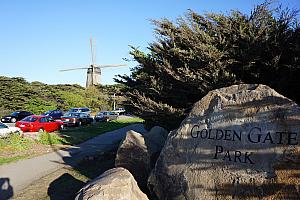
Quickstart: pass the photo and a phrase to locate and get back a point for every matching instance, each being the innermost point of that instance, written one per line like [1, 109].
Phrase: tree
[200, 53]
[37, 97]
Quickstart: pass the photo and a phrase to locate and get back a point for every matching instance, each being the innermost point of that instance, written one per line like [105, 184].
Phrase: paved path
[22, 173]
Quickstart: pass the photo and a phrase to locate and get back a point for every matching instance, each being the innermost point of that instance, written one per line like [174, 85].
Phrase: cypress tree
[199, 53]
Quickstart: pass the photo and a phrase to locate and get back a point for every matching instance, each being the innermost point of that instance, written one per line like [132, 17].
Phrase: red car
[34, 123]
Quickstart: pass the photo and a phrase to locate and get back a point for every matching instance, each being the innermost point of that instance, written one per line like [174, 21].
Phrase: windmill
[93, 71]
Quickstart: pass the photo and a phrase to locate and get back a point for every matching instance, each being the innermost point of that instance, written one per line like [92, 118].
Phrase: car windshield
[75, 110]
[50, 119]
[3, 125]
[79, 110]
[72, 114]
[15, 113]
[48, 112]
[29, 119]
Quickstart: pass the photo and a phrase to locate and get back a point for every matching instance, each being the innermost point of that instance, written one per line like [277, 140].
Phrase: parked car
[83, 110]
[55, 114]
[15, 116]
[106, 116]
[119, 110]
[6, 130]
[98, 117]
[76, 119]
[39, 123]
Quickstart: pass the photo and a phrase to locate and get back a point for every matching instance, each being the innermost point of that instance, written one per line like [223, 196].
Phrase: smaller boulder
[155, 140]
[114, 184]
[133, 155]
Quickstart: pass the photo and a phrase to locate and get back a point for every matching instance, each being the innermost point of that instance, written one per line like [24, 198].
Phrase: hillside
[16, 94]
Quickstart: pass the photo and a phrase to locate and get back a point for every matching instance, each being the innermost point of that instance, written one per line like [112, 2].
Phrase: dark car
[106, 116]
[99, 117]
[55, 114]
[76, 119]
[15, 116]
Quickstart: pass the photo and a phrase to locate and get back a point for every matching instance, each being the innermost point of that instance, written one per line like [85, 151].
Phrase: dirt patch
[66, 182]
[39, 189]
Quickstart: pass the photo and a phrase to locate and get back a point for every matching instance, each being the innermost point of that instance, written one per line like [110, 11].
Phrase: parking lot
[11, 124]
[36, 133]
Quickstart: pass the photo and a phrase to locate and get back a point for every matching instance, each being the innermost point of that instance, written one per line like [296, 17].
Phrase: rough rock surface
[157, 136]
[155, 140]
[239, 142]
[114, 184]
[133, 155]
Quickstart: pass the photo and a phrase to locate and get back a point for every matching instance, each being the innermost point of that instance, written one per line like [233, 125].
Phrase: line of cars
[53, 120]
[49, 121]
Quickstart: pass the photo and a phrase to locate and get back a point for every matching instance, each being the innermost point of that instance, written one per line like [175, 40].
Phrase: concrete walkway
[19, 175]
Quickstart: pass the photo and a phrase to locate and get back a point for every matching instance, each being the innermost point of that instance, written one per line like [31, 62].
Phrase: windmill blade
[106, 66]
[92, 51]
[71, 69]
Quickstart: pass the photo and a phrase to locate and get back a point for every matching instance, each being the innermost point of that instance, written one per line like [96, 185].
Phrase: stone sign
[234, 144]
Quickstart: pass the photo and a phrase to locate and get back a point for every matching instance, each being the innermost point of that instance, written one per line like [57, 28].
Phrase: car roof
[38, 116]
[77, 113]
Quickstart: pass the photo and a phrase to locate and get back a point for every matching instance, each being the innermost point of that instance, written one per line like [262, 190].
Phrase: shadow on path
[6, 190]
[90, 159]
[66, 186]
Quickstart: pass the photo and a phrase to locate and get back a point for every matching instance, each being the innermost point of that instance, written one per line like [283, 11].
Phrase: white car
[119, 110]
[6, 130]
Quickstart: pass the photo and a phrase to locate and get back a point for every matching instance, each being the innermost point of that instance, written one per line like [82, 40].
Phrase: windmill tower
[93, 76]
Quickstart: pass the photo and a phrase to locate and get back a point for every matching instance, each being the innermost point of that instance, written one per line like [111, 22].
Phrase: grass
[81, 134]
[51, 138]
[12, 159]
[15, 143]
[10, 146]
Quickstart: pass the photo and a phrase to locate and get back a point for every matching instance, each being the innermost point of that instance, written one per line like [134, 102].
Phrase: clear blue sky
[38, 38]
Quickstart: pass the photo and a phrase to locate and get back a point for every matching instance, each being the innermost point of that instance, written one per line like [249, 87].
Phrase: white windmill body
[93, 76]
[93, 71]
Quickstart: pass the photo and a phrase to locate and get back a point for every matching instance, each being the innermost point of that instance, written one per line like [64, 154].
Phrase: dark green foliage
[18, 94]
[200, 53]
